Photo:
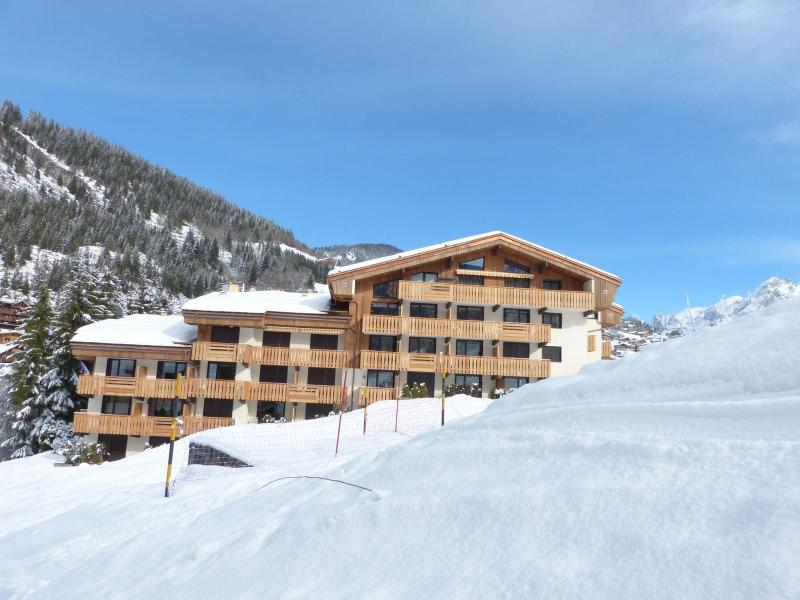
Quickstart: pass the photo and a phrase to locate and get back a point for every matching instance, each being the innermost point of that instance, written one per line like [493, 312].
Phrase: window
[168, 369]
[116, 405]
[427, 311]
[216, 407]
[162, 407]
[225, 335]
[516, 315]
[387, 289]
[469, 313]
[429, 379]
[470, 279]
[551, 284]
[383, 343]
[324, 342]
[475, 264]
[513, 383]
[552, 319]
[425, 277]
[471, 380]
[551, 353]
[223, 371]
[469, 348]
[273, 374]
[383, 379]
[276, 339]
[513, 267]
[321, 376]
[517, 283]
[384, 308]
[120, 367]
[422, 345]
[516, 350]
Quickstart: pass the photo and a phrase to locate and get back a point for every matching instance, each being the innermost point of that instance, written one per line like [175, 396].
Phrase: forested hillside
[65, 192]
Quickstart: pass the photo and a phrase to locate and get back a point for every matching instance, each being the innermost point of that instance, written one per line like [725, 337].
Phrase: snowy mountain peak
[768, 292]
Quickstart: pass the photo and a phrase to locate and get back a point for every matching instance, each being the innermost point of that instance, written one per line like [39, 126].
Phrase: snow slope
[672, 474]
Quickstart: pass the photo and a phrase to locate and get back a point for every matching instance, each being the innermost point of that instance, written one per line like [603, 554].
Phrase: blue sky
[660, 141]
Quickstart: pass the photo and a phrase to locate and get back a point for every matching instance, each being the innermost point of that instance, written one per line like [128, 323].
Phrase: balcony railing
[137, 387]
[479, 294]
[481, 330]
[291, 392]
[470, 365]
[268, 355]
[368, 395]
[142, 426]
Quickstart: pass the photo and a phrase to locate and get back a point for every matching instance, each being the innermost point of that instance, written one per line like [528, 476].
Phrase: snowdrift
[672, 474]
[284, 445]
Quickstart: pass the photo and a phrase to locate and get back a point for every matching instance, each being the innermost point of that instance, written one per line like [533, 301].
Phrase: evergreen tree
[27, 393]
[80, 305]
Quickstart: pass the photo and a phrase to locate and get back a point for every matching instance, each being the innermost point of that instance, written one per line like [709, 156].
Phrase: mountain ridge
[63, 190]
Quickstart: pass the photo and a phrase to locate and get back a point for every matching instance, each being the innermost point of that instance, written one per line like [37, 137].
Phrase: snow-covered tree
[27, 393]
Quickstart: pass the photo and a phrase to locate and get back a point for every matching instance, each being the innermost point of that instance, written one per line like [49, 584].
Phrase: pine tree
[80, 304]
[27, 393]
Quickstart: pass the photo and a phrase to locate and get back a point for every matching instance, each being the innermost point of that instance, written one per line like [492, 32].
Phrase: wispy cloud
[785, 134]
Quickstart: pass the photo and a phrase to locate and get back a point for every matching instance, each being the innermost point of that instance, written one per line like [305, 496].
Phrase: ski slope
[672, 474]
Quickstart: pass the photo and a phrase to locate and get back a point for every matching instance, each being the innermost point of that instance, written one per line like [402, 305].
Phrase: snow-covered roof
[409, 253]
[260, 302]
[139, 330]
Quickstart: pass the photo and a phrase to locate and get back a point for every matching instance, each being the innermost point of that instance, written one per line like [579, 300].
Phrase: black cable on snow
[360, 487]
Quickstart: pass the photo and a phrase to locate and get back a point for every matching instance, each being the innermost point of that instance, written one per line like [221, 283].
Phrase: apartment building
[491, 312]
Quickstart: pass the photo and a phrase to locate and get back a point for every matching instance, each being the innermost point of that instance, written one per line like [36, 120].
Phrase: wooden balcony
[480, 294]
[470, 365]
[368, 395]
[140, 387]
[476, 330]
[297, 357]
[290, 392]
[137, 387]
[268, 355]
[142, 426]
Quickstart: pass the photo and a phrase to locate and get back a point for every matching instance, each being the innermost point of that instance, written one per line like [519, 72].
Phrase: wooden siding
[470, 365]
[142, 426]
[91, 351]
[483, 330]
[607, 349]
[610, 316]
[494, 245]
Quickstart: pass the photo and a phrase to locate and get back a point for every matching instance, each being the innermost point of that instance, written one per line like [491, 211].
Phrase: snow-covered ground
[672, 474]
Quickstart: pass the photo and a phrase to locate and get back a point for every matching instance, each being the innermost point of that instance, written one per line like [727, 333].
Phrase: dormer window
[475, 264]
